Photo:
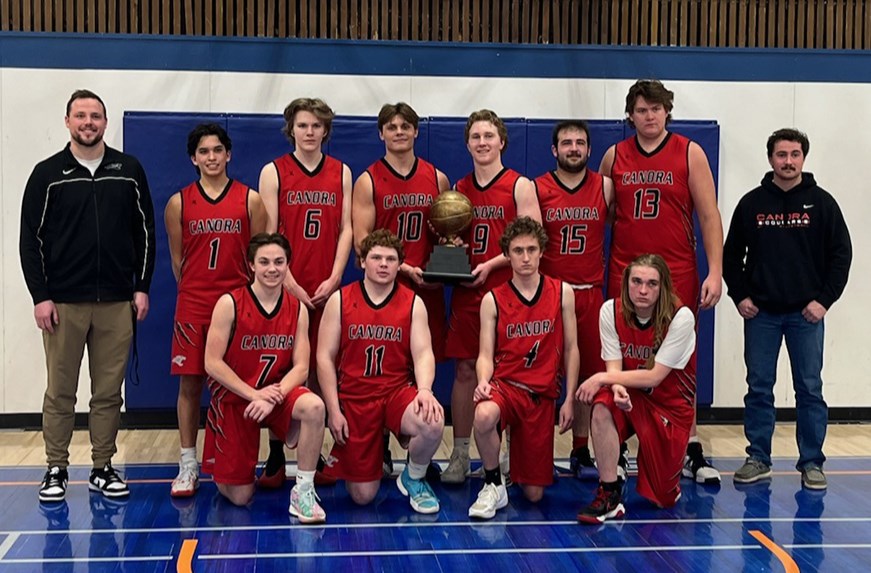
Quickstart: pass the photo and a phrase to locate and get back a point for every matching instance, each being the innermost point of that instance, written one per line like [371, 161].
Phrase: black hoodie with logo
[787, 248]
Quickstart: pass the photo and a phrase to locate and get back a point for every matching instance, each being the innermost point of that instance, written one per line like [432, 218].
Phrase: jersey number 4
[374, 359]
[532, 355]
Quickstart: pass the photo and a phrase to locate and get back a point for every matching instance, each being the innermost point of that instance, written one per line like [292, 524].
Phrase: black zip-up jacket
[787, 248]
[87, 238]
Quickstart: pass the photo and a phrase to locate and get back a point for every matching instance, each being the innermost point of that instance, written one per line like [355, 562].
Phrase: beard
[564, 164]
[84, 143]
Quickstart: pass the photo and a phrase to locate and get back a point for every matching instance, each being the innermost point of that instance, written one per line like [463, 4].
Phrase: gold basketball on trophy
[450, 214]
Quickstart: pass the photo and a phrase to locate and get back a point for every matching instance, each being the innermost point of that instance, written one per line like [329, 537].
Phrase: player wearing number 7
[209, 224]
[660, 178]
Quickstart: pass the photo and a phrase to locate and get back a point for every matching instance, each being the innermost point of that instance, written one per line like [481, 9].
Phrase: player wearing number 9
[209, 224]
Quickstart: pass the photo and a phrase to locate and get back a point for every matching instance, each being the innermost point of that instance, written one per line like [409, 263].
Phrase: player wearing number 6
[257, 358]
[528, 333]
[208, 223]
[376, 368]
[660, 178]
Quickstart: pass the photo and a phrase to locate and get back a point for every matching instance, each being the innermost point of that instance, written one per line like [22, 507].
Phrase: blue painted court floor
[769, 526]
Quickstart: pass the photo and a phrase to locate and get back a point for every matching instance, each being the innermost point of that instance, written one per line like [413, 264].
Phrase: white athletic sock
[189, 456]
[416, 471]
[305, 479]
[461, 445]
[694, 440]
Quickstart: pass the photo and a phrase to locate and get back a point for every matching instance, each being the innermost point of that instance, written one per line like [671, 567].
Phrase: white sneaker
[491, 498]
[186, 482]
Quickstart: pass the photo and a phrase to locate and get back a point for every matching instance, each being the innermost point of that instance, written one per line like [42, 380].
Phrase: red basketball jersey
[654, 205]
[529, 337]
[402, 205]
[493, 207]
[574, 220]
[310, 216]
[214, 236]
[375, 347]
[675, 395]
[260, 350]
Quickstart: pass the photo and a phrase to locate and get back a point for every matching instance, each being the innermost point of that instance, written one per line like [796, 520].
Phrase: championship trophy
[450, 215]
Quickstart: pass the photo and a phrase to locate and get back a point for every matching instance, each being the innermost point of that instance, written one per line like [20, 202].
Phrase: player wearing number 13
[209, 224]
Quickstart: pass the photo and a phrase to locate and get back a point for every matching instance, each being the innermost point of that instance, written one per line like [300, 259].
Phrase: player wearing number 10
[208, 223]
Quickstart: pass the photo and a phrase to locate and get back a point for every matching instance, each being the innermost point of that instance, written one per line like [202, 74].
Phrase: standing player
[659, 179]
[376, 368]
[257, 355]
[209, 224]
[498, 195]
[648, 388]
[574, 203]
[307, 196]
[527, 333]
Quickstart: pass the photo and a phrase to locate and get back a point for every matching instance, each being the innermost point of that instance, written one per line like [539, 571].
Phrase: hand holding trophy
[450, 215]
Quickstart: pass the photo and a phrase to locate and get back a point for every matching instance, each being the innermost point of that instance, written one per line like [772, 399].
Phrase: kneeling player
[376, 369]
[527, 327]
[648, 388]
[257, 354]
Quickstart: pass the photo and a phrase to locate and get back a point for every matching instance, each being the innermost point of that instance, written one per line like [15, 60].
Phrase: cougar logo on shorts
[179, 359]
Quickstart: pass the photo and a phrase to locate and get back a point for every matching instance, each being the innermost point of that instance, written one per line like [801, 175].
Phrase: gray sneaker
[457, 469]
[812, 477]
[752, 471]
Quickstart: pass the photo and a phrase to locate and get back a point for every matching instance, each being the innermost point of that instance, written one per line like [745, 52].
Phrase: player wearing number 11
[208, 223]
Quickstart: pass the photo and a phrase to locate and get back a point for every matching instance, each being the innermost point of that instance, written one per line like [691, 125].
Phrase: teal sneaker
[304, 505]
[420, 494]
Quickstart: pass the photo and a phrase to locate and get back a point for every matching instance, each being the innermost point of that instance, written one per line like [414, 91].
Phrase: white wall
[31, 123]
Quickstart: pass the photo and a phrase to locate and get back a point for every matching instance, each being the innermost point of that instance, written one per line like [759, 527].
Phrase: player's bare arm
[298, 374]
[424, 364]
[343, 251]
[216, 346]
[442, 180]
[608, 193]
[486, 348]
[329, 336]
[363, 210]
[608, 161]
[571, 357]
[701, 183]
[172, 221]
[526, 199]
[256, 213]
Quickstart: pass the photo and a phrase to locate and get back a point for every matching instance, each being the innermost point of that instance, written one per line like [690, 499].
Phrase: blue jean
[763, 336]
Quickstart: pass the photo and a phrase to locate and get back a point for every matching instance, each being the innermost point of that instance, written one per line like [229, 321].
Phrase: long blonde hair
[665, 307]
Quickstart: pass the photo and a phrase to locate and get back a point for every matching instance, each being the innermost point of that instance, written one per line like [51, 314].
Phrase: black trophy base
[448, 265]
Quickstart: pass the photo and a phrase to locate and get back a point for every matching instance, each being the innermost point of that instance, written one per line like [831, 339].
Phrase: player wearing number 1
[208, 223]
[660, 178]
[574, 204]
[307, 195]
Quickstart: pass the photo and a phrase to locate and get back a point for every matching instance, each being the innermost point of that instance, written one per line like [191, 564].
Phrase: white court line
[7, 544]
[827, 545]
[540, 523]
[118, 559]
[488, 551]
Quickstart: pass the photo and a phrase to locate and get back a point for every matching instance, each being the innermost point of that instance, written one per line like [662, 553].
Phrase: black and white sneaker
[607, 505]
[54, 485]
[623, 462]
[108, 482]
[697, 468]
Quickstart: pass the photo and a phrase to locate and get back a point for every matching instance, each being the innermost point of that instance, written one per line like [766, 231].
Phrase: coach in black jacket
[87, 252]
[786, 261]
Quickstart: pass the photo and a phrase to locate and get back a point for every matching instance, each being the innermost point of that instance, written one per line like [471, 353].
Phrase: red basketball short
[662, 444]
[532, 430]
[434, 301]
[588, 302]
[233, 442]
[359, 460]
[189, 349]
[464, 330]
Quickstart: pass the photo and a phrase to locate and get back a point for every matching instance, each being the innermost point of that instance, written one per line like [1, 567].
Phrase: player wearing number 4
[307, 196]
[528, 332]
[209, 224]
[257, 355]
[376, 368]
[660, 178]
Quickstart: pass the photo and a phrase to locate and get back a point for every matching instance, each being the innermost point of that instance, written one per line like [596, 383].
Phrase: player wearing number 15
[208, 223]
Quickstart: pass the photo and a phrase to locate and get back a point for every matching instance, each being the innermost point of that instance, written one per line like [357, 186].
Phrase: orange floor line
[789, 565]
[186, 556]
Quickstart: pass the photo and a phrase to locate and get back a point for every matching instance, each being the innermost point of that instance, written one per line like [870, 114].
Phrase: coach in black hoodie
[786, 261]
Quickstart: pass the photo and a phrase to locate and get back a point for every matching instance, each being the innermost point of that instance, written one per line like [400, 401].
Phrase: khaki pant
[107, 329]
